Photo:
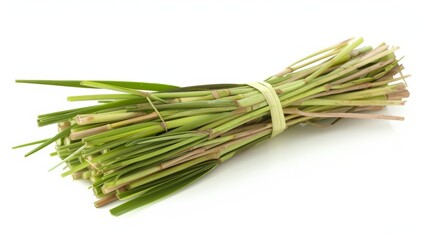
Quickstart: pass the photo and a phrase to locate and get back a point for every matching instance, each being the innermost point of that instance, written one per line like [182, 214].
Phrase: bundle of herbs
[149, 140]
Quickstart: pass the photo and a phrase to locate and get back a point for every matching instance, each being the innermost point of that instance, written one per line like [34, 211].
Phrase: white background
[360, 179]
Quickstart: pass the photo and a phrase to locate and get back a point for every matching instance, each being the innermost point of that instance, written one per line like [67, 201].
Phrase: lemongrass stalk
[75, 169]
[238, 121]
[342, 115]
[311, 58]
[368, 93]
[86, 119]
[316, 102]
[97, 97]
[296, 95]
[199, 112]
[132, 119]
[127, 130]
[64, 116]
[105, 200]
[311, 93]
[338, 58]
[141, 132]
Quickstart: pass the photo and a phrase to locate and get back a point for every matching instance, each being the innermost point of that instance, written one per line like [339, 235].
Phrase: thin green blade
[64, 133]
[159, 192]
[77, 83]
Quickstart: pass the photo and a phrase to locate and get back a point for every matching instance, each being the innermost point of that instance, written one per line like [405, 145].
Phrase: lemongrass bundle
[149, 140]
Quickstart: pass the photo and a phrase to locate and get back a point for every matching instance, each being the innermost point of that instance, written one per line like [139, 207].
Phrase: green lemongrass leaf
[100, 148]
[121, 89]
[159, 192]
[77, 83]
[243, 148]
[200, 104]
[114, 88]
[205, 87]
[148, 156]
[46, 115]
[30, 143]
[166, 176]
[201, 122]
[173, 170]
[100, 97]
[61, 134]
[142, 149]
[116, 153]
[330, 48]
[142, 165]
